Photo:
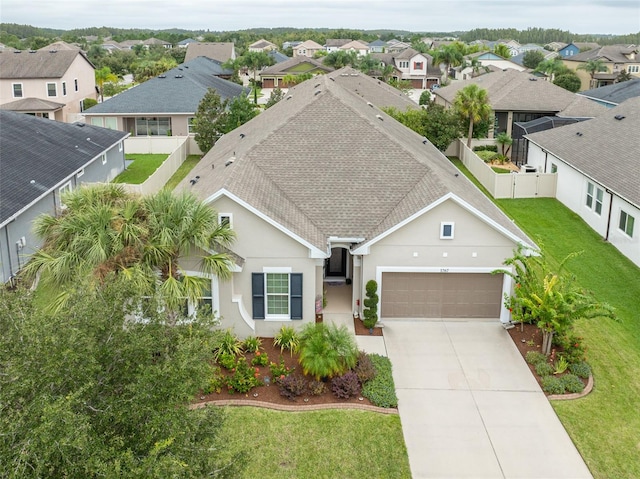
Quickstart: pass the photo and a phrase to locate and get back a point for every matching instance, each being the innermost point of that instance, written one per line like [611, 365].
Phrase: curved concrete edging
[293, 408]
[562, 397]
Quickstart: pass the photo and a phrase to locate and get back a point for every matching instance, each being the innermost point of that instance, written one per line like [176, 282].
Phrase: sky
[576, 16]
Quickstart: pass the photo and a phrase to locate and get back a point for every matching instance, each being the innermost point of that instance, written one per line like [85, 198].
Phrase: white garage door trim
[507, 281]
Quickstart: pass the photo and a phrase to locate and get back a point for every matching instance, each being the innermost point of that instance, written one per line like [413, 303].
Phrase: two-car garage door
[441, 295]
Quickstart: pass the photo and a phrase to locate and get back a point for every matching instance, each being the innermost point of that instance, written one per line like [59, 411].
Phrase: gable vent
[619, 117]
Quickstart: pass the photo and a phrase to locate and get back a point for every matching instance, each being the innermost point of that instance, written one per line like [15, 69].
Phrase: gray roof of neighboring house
[378, 43]
[606, 149]
[336, 42]
[32, 105]
[277, 56]
[221, 51]
[37, 154]
[186, 41]
[59, 45]
[616, 93]
[283, 67]
[512, 90]
[180, 91]
[36, 64]
[612, 53]
[323, 162]
[155, 41]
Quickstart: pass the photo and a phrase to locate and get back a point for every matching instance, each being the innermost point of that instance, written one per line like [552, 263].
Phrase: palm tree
[502, 50]
[476, 66]
[505, 141]
[104, 75]
[255, 61]
[340, 59]
[472, 102]
[592, 67]
[104, 230]
[450, 56]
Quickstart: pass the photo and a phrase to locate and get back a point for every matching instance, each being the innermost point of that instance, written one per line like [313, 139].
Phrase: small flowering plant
[260, 359]
[279, 369]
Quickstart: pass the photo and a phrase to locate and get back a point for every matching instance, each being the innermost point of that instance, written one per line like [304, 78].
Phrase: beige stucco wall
[263, 245]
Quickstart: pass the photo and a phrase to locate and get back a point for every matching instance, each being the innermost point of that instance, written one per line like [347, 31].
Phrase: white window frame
[190, 125]
[403, 64]
[269, 271]
[109, 122]
[64, 88]
[120, 147]
[554, 168]
[55, 88]
[229, 217]
[625, 225]
[443, 227]
[633, 68]
[595, 198]
[13, 90]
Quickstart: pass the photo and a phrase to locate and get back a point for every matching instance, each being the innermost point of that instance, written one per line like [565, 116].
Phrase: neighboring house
[377, 46]
[59, 46]
[412, 66]
[517, 96]
[616, 59]
[39, 160]
[55, 83]
[324, 190]
[287, 45]
[220, 51]
[528, 47]
[396, 46]
[274, 76]
[335, 44]
[149, 42]
[569, 50]
[262, 45]
[555, 46]
[612, 95]
[513, 46]
[486, 60]
[129, 44]
[166, 104]
[184, 43]
[357, 46]
[598, 177]
[277, 56]
[307, 49]
[111, 46]
[548, 55]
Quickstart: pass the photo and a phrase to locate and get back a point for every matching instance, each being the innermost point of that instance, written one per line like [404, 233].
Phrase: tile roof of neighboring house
[221, 51]
[36, 64]
[38, 154]
[512, 90]
[31, 105]
[285, 66]
[611, 53]
[616, 93]
[180, 91]
[606, 148]
[323, 162]
[309, 45]
[376, 92]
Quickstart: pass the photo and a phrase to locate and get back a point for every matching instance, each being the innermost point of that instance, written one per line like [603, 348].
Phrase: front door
[336, 265]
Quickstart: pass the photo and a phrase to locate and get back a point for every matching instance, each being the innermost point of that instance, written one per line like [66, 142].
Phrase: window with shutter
[276, 295]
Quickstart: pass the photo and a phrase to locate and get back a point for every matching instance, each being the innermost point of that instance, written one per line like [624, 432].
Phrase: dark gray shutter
[296, 296]
[257, 293]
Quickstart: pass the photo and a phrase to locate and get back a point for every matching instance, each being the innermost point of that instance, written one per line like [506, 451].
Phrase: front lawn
[142, 168]
[182, 171]
[322, 444]
[604, 425]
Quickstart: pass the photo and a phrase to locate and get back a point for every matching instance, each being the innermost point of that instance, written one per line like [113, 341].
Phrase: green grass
[142, 168]
[183, 171]
[605, 425]
[318, 444]
[497, 169]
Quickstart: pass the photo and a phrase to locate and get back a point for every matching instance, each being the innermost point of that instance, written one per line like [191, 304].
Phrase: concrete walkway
[470, 407]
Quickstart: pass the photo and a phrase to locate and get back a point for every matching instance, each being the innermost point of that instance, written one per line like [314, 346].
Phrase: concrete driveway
[470, 407]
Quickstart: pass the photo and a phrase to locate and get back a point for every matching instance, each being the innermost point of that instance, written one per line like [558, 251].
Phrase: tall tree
[502, 50]
[88, 393]
[255, 61]
[106, 230]
[532, 59]
[551, 67]
[592, 67]
[104, 75]
[450, 56]
[472, 103]
[569, 81]
[340, 59]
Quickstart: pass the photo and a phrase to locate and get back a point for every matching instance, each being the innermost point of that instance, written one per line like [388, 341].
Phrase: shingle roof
[37, 154]
[323, 162]
[612, 53]
[309, 45]
[616, 93]
[36, 64]
[180, 91]
[285, 66]
[221, 51]
[512, 90]
[31, 105]
[277, 56]
[606, 150]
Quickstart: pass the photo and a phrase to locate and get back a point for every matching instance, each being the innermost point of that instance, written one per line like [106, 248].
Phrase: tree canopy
[532, 59]
[88, 393]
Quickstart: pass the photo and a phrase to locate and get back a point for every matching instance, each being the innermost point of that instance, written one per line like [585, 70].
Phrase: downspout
[546, 156]
[6, 232]
[606, 238]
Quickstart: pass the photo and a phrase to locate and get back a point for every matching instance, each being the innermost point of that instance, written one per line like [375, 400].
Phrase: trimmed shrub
[292, 386]
[229, 344]
[227, 360]
[279, 369]
[552, 385]
[370, 311]
[544, 369]
[535, 357]
[244, 377]
[327, 350]
[572, 383]
[381, 390]
[581, 369]
[365, 370]
[316, 388]
[345, 386]
[89, 102]
[260, 359]
[493, 148]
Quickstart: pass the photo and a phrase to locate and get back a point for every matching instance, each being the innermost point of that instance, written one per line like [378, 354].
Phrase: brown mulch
[271, 393]
[362, 331]
[528, 339]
